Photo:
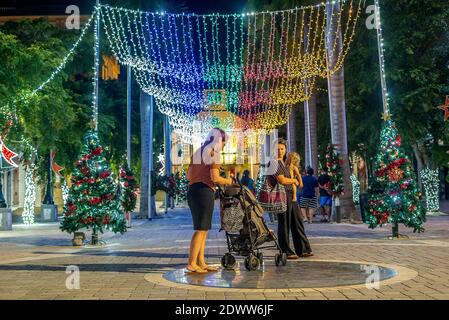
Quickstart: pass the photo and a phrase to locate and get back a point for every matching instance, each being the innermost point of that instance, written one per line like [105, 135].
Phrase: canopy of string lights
[256, 66]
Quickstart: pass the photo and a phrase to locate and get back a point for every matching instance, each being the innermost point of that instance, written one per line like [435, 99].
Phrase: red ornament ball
[95, 201]
[97, 151]
[105, 174]
[106, 219]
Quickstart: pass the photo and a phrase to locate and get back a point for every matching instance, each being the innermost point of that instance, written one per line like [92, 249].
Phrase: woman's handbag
[272, 197]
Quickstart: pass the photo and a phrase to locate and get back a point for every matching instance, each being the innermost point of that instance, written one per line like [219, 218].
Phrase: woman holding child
[288, 175]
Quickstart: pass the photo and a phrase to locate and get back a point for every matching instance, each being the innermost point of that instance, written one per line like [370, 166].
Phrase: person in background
[309, 195]
[203, 176]
[247, 181]
[325, 196]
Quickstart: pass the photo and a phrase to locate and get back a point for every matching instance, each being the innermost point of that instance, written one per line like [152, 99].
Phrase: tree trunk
[337, 110]
[310, 125]
[145, 152]
[422, 160]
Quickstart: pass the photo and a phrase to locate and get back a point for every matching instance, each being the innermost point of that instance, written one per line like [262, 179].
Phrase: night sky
[57, 7]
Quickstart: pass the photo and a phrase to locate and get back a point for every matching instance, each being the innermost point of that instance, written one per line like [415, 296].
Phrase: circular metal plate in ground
[296, 274]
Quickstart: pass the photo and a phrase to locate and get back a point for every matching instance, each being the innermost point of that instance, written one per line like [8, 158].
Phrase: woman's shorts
[308, 203]
[200, 199]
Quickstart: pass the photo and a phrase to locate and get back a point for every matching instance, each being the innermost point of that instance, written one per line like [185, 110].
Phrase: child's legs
[304, 213]
[311, 212]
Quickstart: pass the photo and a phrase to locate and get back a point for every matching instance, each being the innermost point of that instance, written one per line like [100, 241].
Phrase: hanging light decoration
[258, 59]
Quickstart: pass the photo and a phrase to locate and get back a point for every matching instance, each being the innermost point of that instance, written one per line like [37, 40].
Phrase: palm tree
[336, 87]
[310, 126]
[147, 202]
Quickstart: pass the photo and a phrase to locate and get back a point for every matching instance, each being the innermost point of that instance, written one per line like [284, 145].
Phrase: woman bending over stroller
[203, 175]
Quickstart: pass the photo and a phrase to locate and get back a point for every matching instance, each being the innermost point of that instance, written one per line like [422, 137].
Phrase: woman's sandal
[211, 269]
[196, 270]
[308, 254]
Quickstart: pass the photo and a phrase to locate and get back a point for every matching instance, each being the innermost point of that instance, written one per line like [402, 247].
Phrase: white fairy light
[95, 69]
[431, 188]
[30, 195]
[64, 61]
[65, 191]
[355, 189]
[381, 50]
[59, 68]
[161, 160]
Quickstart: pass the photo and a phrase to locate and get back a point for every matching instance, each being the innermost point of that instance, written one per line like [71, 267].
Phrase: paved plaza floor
[39, 262]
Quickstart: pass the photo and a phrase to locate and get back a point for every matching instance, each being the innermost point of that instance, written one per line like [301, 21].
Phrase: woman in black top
[290, 220]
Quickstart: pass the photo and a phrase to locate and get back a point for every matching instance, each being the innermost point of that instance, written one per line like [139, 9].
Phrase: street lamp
[48, 199]
[49, 211]
[5, 212]
[2, 198]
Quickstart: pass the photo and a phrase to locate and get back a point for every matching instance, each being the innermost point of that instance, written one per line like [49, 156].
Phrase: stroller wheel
[284, 259]
[260, 257]
[251, 262]
[277, 259]
[228, 261]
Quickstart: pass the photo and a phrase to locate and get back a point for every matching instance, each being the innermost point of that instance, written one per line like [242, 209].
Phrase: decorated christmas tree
[393, 194]
[92, 202]
[335, 171]
[129, 190]
[182, 185]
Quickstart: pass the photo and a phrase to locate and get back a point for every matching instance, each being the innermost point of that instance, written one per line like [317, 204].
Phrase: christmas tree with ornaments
[130, 189]
[92, 202]
[182, 186]
[393, 194]
[335, 171]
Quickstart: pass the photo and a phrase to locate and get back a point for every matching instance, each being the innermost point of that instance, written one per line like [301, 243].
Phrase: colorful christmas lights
[177, 57]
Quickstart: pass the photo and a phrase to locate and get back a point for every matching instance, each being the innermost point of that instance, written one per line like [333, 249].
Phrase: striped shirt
[282, 170]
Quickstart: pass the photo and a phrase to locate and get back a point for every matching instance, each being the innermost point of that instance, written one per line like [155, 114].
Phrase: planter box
[5, 219]
[49, 213]
[78, 239]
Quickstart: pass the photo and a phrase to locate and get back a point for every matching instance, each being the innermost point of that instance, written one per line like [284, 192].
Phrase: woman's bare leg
[195, 248]
[201, 260]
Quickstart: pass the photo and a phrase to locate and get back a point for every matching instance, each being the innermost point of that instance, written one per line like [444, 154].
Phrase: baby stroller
[245, 228]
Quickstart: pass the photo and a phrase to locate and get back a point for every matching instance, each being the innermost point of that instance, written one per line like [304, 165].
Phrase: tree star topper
[386, 116]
